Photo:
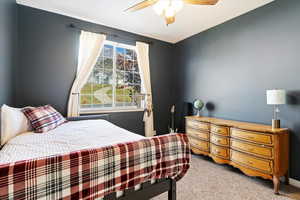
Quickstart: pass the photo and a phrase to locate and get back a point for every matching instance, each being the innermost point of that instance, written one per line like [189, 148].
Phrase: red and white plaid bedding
[43, 118]
[90, 174]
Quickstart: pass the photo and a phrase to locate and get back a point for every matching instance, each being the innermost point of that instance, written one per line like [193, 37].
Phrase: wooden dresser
[256, 149]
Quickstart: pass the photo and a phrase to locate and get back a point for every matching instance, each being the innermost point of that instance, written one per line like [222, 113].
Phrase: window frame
[115, 109]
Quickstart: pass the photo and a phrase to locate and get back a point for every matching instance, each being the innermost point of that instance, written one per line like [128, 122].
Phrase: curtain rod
[73, 26]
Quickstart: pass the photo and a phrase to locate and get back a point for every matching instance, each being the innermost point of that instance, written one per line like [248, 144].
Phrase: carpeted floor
[207, 180]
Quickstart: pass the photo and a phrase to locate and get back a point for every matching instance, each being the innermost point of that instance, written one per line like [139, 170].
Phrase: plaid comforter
[94, 173]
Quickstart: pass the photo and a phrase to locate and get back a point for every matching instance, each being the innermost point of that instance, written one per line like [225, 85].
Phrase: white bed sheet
[69, 137]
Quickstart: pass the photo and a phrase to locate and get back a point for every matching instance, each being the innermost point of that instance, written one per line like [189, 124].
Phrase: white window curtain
[142, 50]
[90, 48]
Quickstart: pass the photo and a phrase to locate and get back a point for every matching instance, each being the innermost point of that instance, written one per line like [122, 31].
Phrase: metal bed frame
[147, 191]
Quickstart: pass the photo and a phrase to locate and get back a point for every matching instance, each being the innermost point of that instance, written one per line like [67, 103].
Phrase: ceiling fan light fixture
[170, 12]
[177, 5]
[168, 9]
[160, 7]
[170, 20]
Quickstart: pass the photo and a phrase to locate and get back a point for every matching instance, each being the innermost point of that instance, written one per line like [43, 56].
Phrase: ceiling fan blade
[142, 5]
[201, 2]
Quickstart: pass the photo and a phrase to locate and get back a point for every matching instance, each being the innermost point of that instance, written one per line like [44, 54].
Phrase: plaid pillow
[44, 118]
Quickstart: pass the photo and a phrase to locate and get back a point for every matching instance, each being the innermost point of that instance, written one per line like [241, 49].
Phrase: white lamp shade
[276, 97]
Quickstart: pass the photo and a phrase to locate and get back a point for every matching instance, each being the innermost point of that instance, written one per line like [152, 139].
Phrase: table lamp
[276, 97]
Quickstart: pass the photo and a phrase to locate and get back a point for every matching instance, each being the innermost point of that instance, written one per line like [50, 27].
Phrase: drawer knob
[217, 140]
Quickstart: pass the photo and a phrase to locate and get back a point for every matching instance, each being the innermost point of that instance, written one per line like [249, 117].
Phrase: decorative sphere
[198, 104]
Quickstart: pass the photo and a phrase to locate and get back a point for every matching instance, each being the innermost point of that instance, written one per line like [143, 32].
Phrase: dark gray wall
[48, 61]
[8, 38]
[232, 65]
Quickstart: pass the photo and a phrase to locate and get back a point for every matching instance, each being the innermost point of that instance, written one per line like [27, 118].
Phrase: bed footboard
[147, 191]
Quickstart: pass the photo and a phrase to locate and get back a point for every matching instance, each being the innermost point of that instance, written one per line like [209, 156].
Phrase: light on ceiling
[168, 9]
[170, 12]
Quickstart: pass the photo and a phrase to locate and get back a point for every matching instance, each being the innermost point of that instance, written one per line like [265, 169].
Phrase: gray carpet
[207, 180]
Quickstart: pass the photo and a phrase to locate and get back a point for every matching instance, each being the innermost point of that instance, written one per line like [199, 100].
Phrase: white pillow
[13, 122]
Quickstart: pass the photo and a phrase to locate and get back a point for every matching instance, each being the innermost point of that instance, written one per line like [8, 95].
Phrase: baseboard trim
[294, 182]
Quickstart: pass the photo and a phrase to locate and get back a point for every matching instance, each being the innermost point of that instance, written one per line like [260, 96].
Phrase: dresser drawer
[197, 125]
[197, 133]
[258, 150]
[259, 164]
[224, 141]
[220, 130]
[199, 144]
[257, 137]
[219, 151]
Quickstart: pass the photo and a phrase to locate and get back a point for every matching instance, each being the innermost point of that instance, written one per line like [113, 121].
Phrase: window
[115, 82]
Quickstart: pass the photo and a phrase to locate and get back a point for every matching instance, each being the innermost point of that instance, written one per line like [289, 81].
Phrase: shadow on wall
[210, 107]
[185, 109]
[293, 100]
[293, 97]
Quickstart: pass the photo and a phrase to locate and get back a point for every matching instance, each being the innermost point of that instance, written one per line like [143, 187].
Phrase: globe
[198, 105]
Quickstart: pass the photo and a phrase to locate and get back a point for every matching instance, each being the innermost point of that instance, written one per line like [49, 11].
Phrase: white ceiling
[190, 20]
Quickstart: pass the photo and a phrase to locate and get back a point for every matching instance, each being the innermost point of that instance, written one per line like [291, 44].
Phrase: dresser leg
[287, 178]
[276, 183]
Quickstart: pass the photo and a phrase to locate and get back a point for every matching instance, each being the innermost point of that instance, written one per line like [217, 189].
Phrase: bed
[92, 159]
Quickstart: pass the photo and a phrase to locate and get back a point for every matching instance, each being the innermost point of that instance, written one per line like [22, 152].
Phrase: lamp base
[275, 123]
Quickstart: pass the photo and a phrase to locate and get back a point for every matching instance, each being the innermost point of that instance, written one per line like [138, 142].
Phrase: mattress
[69, 137]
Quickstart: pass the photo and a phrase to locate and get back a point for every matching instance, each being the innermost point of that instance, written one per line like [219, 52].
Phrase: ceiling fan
[168, 8]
